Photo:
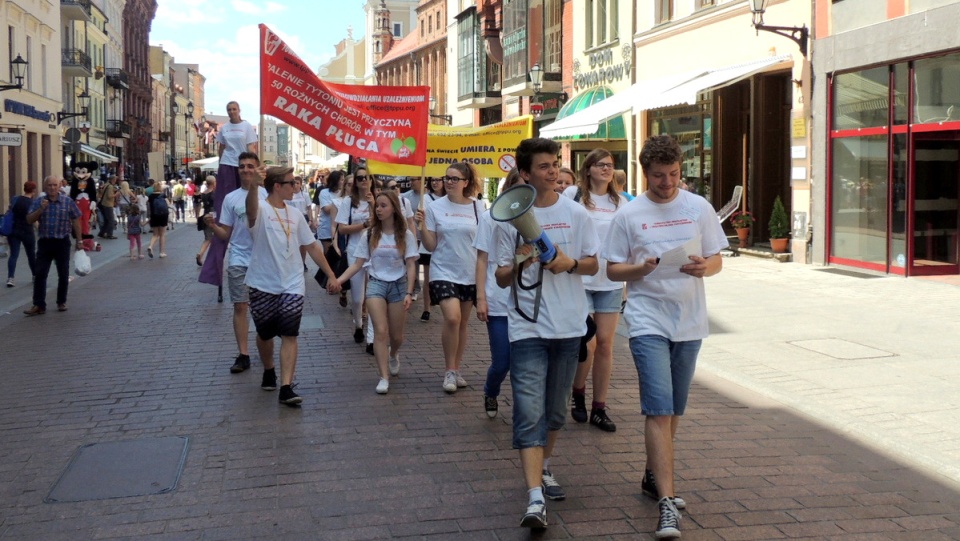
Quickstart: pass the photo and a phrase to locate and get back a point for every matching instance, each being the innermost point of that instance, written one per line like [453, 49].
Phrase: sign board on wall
[10, 139]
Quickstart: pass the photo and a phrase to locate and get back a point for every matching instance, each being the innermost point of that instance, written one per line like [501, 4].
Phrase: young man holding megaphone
[544, 346]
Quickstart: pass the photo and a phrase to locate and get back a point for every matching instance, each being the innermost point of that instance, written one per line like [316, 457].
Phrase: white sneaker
[460, 381]
[450, 382]
[394, 363]
[383, 386]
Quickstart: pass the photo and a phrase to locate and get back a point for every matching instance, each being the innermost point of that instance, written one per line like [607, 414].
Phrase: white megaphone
[514, 206]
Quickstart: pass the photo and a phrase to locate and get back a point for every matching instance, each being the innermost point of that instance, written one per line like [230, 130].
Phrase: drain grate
[120, 469]
[849, 273]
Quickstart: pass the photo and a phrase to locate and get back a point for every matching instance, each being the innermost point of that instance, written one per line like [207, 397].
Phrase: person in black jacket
[22, 232]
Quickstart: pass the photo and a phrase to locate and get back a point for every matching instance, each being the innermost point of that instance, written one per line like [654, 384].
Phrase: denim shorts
[604, 302]
[239, 293]
[665, 369]
[541, 375]
[392, 292]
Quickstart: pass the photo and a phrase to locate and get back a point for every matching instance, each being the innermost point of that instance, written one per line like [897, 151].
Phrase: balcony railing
[76, 63]
[118, 128]
[76, 10]
[117, 78]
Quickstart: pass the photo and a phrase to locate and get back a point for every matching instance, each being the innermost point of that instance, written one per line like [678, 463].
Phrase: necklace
[286, 228]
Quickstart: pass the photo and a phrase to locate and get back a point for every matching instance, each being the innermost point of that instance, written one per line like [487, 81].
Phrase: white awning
[663, 92]
[97, 154]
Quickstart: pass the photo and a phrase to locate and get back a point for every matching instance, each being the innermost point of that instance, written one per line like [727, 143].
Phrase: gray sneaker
[668, 527]
[535, 517]
[551, 488]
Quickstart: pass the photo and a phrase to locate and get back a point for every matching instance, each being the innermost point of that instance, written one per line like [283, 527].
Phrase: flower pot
[743, 235]
[779, 246]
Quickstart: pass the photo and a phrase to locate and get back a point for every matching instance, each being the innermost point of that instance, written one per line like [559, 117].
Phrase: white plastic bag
[81, 263]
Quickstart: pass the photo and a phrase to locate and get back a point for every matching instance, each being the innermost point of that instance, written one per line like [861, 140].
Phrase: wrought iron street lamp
[19, 66]
[799, 34]
[84, 103]
[187, 118]
[433, 107]
[536, 79]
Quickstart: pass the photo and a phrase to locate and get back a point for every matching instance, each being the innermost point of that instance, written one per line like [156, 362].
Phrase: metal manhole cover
[100, 471]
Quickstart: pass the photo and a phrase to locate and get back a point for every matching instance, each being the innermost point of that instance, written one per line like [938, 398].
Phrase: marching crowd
[551, 315]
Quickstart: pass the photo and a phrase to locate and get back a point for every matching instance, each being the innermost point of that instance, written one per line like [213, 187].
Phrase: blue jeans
[499, 353]
[541, 373]
[665, 369]
[52, 251]
[29, 246]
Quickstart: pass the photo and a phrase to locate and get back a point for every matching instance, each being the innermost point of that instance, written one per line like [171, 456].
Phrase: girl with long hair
[353, 217]
[450, 230]
[598, 193]
[158, 221]
[391, 249]
[435, 190]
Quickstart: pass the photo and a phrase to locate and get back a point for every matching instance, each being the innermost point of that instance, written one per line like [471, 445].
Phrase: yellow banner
[490, 149]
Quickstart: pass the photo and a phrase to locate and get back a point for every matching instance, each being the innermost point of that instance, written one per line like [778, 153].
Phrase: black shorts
[275, 315]
[440, 290]
[424, 260]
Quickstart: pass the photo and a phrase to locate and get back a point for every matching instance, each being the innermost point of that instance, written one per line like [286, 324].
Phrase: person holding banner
[435, 190]
[598, 193]
[353, 217]
[450, 230]
[391, 249]
[544, 348]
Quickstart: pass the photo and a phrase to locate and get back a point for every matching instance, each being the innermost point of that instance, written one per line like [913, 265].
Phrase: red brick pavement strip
[144, 352]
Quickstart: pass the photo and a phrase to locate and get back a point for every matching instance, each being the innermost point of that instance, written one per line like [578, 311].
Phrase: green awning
[611, 129]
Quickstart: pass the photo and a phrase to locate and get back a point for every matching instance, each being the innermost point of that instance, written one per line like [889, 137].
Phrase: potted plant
[779, 227]
[742, 221]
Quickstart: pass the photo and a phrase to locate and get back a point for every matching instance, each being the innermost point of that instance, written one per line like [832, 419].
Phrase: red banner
[385, 123]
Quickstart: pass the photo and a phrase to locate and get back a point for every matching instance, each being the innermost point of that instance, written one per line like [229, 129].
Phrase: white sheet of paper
[672, 260]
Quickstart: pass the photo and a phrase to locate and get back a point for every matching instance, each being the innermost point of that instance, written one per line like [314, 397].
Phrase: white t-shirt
[602, 215]
[235, 138]
[300, 201]
[385, 263]
[563, 306]
[497, 297]
[674, 307]
[454, 259]
[323, 228]
[427, 199]
[360, 214]
[275, 264]
[233, 213]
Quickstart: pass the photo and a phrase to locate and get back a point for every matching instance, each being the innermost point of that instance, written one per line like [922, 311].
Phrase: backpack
[6, 225]
[159, 206]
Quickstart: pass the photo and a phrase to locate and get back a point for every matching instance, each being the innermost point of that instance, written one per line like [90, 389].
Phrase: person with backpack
[22, 232]
[159, 209]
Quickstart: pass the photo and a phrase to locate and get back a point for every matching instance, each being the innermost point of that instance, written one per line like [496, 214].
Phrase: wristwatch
[573, 269]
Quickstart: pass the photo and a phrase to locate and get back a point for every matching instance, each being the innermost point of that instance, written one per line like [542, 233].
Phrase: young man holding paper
[663, 243]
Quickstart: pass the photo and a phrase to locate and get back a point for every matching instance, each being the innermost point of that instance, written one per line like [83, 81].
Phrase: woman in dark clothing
[22, 231]
[158, 219]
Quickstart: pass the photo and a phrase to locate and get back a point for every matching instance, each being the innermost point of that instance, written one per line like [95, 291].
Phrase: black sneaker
[579, 409]
[358, 336]
[288, 397]
[649, 488]
[551, 488]
[269, 380]
[490, 405]
[242, 363]
[535, 517]
[668, 527]
[599, 419]
[369, 349]
[425, 316]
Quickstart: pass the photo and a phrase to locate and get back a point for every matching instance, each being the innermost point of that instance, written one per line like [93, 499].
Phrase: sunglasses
[360, 177]
[282, 182]
[453, 179]
[392, 187]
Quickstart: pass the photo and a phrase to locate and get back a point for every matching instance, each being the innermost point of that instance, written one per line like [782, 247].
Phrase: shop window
[861, 99]
[692, 127]
[901, 89]
[898, 225]
[859, 199]
[937, 91]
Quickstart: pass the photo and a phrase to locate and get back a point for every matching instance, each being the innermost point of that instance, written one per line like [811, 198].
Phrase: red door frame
[945, 131]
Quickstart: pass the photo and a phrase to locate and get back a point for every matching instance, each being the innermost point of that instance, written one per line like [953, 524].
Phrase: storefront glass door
[936, 214]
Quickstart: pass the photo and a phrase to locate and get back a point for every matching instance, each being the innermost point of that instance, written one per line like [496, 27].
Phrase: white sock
[535, 494]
